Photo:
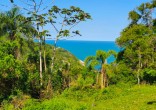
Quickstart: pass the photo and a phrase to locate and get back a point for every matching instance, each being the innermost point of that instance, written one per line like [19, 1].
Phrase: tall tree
[62, 20]
[135, 41]
[14, 27]
[100, 60]
[68, 19]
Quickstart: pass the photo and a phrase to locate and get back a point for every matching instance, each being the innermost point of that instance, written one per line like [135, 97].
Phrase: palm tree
[16, 28]
[100, 59]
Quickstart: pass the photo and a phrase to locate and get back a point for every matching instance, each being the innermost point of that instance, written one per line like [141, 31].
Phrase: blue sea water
[82, 49]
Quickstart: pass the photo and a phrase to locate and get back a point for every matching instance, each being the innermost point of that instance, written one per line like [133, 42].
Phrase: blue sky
[109, 17]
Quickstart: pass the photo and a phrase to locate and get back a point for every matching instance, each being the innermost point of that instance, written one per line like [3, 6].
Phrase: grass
[136, 98]
[55, 104]
[113, 98]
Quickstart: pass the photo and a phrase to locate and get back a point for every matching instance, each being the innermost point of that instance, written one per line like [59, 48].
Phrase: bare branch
[26, 3]
[34, 5]
[22, 8]
[43, 9]
[46, 6]
[60, 15]
[39, 5]
[54, 27]
[63, 22]
[74, 25]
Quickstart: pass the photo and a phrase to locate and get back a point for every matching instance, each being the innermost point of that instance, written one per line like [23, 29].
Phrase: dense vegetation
[34, 75]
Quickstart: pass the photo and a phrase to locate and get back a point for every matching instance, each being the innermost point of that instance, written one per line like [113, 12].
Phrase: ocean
[82, 49]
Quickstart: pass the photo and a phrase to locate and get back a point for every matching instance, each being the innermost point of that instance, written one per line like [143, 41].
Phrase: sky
[109, 17]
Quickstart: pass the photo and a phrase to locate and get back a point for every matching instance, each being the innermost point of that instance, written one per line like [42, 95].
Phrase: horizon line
[82, 40]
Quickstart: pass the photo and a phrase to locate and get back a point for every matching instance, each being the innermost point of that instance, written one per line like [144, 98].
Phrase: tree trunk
[105, 75]
[140, 66]
[68, 81]
[40, 55]
[17, 53]
[138, 77]
[53, 53]
[45, 65]
[105, 78]
[49, 87]
[97, 78]
[102, 78]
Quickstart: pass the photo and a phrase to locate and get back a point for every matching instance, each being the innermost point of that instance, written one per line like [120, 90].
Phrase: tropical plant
[138, 41]
[100, 59]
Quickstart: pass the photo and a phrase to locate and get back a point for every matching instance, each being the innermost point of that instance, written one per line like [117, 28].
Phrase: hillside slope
[113, 98]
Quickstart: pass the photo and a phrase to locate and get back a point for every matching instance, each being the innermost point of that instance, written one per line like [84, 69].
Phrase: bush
[57, 103]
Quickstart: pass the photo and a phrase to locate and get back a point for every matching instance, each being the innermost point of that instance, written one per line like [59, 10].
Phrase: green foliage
[138, 46]
[85, 82]
[149, 75]
[57, 103]
[68, 18]
[20, 58]
[116, 97]
[134, 16]
[67, 83]
[130, 98]
[142, 14]
[100, 61]
[121, 73]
